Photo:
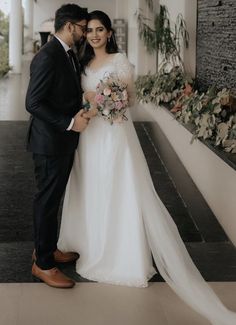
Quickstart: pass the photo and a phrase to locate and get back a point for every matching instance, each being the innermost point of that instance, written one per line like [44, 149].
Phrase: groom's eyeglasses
[83, 27]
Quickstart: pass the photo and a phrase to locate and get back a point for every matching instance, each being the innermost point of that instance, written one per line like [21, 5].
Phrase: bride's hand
[89, 96]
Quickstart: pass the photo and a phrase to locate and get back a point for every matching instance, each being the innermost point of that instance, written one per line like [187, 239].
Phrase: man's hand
[80, 122]
[90, 113]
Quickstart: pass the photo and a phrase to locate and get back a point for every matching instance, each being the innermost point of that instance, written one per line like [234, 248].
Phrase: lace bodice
[116, 63]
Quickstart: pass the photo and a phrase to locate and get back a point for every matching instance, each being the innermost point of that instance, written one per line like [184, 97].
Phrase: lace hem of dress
[101, 278]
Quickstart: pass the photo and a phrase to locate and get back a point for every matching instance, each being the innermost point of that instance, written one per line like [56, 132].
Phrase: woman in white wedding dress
[112, 215]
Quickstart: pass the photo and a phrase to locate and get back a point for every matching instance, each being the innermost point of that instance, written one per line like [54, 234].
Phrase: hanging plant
[163, 38]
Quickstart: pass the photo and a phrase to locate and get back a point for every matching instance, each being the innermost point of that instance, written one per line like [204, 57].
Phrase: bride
[112, 215]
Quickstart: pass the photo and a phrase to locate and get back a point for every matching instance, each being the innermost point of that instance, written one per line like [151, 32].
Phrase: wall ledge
[214, 176]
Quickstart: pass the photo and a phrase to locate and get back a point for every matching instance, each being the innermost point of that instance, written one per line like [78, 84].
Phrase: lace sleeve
[125, 72]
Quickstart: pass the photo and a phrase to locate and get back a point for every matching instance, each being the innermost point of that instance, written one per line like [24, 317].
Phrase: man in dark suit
[54, 99]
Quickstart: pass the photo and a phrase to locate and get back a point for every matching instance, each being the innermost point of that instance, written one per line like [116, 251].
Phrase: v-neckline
[94, 70]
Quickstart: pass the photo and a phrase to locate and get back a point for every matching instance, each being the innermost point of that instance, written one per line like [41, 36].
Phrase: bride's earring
[109, 39]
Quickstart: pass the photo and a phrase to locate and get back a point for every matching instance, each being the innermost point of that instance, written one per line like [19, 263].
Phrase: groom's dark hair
[69, 12]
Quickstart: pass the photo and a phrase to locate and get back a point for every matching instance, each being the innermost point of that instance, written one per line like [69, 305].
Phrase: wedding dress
[113, 217]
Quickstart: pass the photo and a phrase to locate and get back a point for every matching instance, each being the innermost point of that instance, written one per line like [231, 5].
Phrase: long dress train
[113, 217]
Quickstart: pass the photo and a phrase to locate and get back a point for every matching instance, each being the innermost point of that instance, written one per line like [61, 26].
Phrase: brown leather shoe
[61, 257]
[53, 277]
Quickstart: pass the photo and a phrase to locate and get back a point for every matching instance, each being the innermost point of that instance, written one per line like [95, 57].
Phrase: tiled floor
[26, 303]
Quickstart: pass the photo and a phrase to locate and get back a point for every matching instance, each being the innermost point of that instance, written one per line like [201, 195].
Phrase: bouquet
[112, 98]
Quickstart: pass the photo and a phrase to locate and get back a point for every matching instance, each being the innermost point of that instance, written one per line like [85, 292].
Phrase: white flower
[107, 91]
[106, 111]
[125, 95]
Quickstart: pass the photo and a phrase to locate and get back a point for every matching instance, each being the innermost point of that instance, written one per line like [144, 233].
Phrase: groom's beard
[80, 45]
[77, 39]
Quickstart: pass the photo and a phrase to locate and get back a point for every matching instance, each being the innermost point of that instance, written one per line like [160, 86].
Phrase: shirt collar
[65, 46]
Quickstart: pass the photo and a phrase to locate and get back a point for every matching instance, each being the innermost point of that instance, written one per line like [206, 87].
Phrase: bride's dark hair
[86, 53]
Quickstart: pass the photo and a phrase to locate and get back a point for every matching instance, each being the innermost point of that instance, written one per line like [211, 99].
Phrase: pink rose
[99, 99]
[119, 105]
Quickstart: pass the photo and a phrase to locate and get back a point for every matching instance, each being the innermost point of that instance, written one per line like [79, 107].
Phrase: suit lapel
[64, 57]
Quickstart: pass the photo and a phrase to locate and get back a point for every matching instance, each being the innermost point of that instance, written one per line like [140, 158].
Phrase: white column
[29, 6]
[137, 53]
[132, 34]
[15, 36]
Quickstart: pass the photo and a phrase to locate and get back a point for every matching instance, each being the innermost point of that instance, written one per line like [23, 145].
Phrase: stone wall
[216, 44]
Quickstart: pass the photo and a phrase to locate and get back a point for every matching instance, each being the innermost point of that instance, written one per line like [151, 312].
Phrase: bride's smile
[97, 34]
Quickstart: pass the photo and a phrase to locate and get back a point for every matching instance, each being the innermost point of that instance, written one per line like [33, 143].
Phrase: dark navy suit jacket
[54, 96]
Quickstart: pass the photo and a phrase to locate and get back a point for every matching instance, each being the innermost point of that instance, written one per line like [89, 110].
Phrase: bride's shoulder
[120, 57]
[122, 61]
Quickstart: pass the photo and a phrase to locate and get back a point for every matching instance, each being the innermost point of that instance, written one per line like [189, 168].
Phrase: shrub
[4, 32]
[4, 66]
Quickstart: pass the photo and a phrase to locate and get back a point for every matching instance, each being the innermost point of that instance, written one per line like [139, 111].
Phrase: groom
[54, 99]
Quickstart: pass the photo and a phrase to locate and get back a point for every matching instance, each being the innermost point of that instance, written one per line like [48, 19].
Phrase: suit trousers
[51, 174]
